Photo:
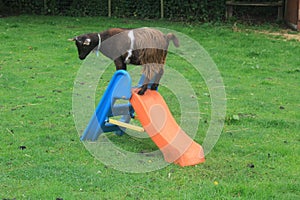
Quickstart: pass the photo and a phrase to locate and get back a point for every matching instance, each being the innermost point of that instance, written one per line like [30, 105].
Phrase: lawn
[256, 156]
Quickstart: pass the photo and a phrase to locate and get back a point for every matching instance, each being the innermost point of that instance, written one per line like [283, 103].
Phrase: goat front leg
[119, 63]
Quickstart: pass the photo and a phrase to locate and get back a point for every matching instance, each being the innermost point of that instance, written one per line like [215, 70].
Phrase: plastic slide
[119, 88]
[157, 120]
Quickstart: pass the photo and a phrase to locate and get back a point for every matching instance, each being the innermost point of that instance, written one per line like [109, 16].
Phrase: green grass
[256, 157]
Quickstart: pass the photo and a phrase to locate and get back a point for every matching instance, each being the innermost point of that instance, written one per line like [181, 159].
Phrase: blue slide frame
[118, 88]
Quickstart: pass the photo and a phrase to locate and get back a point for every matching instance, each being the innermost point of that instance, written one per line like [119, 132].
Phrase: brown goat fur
[143, 46]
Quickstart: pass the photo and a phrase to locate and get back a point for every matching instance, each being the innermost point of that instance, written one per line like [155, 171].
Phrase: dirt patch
[286, 33]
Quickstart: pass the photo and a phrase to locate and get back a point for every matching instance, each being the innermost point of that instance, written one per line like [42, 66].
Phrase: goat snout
[82, 57]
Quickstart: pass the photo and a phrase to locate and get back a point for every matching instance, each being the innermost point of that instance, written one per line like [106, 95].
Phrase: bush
[178, 10]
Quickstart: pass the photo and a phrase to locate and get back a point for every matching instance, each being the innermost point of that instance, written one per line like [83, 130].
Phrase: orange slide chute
[158, 122]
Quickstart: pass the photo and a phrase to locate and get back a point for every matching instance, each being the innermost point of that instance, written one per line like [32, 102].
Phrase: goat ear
[87, 41]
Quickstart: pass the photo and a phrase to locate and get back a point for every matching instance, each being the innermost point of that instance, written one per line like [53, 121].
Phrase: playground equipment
[154, 115]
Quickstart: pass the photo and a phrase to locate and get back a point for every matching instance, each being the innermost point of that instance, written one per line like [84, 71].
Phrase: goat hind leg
[143, 89]
[158, 76]
[144, 86]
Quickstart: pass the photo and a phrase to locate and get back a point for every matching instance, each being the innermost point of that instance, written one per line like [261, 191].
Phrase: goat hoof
[154, 86]
[141, 92]
[143, 89]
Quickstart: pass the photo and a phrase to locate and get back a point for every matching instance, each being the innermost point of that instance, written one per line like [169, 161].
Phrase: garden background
[41, 156]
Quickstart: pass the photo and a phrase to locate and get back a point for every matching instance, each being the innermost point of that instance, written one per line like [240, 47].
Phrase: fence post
[45, 7]
[161, 8]
[109, 8]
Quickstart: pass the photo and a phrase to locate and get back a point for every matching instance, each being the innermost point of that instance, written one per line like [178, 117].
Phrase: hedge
[200, 10]
[176, 10]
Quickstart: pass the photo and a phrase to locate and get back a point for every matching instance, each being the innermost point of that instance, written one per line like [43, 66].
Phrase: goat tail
[171, 36]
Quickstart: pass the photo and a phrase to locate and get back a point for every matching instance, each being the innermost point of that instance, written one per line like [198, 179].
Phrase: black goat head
[85, 44]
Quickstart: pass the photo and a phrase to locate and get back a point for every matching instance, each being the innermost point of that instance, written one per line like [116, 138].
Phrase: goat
[142, 46]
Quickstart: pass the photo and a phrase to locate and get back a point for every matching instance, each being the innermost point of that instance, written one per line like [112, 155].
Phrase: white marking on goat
[99, 44]
[87, 42]
[131, 36]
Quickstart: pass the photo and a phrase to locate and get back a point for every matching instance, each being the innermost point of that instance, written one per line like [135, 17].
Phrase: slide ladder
[119, 88]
